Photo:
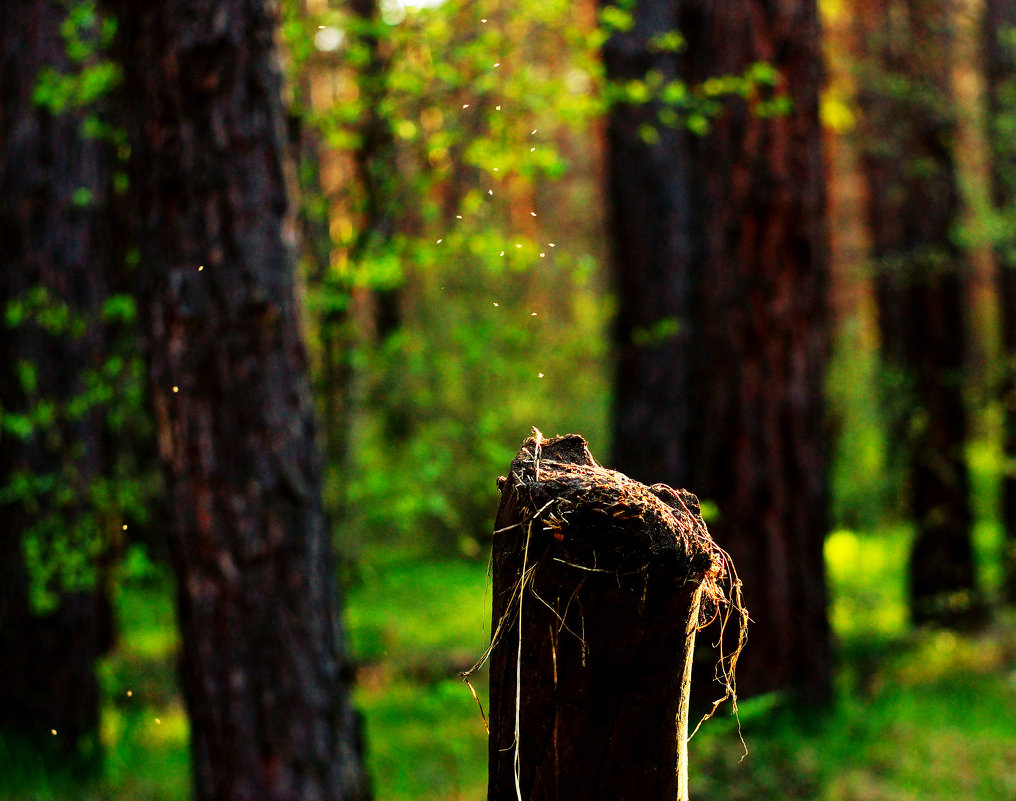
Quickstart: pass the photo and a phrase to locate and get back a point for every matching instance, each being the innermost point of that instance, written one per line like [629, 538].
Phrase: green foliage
[76, 514]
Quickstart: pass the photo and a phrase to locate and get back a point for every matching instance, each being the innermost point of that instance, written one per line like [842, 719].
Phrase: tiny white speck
[539, 375]
[532, 149]
[458, 216]
[201, 267]
[439, 241]
[320, 27]
[532, 132]
[518, 246]
[498, 108]
[533, 314]
[532, 214]
[502, 252]
[497, 304]
[490, 191]
[483, 20]
[551, 244]
[465, 105]
[543, 255]
[497, 169]
[497, 63]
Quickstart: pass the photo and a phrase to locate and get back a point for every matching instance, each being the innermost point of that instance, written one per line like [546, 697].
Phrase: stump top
[556, 489]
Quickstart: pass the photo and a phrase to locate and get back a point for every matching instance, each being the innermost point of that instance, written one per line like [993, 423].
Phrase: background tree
[56, 173]
[999, 37]
[760, 324]
[912, 207]
[265, 674]
[722, 307]
[648, 191]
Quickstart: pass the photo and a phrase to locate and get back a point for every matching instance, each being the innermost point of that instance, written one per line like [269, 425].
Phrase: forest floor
[925, 715]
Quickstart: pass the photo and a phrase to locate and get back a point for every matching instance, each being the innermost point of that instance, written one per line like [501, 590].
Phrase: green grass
[919, 716]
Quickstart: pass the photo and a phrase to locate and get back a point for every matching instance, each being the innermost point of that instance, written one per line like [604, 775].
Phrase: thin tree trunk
[1000, 72]
[56, 235]
[913, 204]
[265, 672]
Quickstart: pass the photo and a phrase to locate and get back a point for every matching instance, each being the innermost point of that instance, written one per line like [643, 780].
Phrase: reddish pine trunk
[54, 187]
[761, 314]
[264, 668]
[912, 206]
[724, 235]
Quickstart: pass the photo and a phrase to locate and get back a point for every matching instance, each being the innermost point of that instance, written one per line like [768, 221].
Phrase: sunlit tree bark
[913, 204]
[56, 235]
[265, 673]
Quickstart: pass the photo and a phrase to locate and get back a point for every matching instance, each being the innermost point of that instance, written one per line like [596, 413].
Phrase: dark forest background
[283, 289]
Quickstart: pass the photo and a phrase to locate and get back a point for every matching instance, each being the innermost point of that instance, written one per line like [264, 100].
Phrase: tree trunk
[913, 204]
[1000, 73]
[734, 252]
[652, 237]
[265, 673]
[56, 235]
[596, 587]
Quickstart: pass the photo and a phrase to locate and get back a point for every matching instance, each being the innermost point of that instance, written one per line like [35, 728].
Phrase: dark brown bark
[725, 234]
[596, 587]
[265, 673]
[1000, 75]
[913, 204]
[759, 449]
[54, 241]
[652, 238]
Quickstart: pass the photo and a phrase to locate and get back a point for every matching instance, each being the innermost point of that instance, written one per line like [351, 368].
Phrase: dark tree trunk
[597, 581]
[54, 192]
[761, 334]
[913, 204]
[1000, 74]
[264, 667]
[652, 238]
[735, 252]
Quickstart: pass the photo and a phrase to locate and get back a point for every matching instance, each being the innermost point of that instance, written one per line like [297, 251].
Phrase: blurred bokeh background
[764, 251]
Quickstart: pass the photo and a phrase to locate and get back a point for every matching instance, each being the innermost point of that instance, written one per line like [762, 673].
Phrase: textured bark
[759, 446]
[596, 588]
[735, 250]
[912, 205]
[47, 671]
[1000, 74]
[264, 669]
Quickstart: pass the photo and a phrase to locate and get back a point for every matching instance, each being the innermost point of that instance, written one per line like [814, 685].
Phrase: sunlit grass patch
[867, 579]
[408, 611]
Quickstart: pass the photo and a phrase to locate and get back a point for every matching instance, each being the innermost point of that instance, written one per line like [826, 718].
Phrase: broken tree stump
[597, 581]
